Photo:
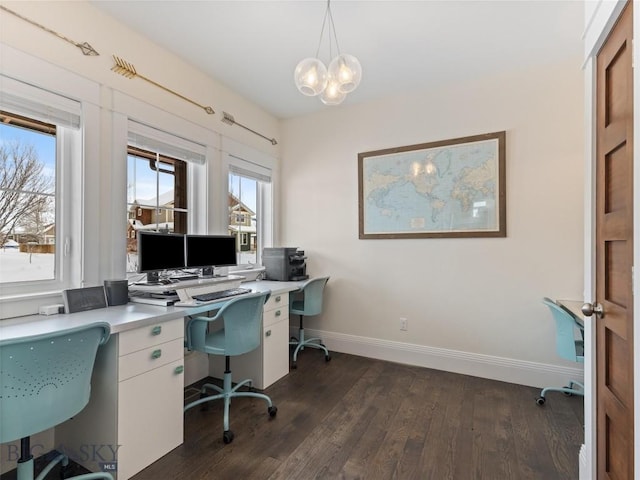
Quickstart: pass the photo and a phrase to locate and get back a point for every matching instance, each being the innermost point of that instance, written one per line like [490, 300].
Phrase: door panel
[614, 252]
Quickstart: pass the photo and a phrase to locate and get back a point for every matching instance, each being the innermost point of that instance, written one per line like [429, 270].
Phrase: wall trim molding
[509, 370]
[583, 464]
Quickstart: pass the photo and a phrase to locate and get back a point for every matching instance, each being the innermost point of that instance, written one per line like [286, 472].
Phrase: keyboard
[209, 297]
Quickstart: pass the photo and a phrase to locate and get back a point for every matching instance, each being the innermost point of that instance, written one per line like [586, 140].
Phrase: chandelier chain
[332, 28]
[335, 35]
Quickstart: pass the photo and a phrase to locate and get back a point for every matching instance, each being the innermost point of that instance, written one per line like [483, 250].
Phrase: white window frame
[163, 127]
[171, 145]
[64, 164]
[245, 161]
[27, 84]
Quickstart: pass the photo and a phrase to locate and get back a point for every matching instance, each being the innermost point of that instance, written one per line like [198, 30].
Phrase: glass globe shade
[332, 95]
[310, 76]
[347, 71]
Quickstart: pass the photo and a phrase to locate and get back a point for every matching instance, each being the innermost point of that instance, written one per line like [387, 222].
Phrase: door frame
[597, 28]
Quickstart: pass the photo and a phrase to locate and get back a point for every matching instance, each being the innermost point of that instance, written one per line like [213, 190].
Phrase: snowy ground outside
[16, 266]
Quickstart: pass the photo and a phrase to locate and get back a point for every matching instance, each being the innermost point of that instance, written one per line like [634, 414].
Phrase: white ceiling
[254, 46]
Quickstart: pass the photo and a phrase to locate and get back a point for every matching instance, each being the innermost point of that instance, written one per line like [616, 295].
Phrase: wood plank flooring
[358, 418]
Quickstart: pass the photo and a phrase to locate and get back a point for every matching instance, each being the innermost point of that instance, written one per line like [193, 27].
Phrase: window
[249, 210]
[28, 169]
[160, 174]
[42, 153]
[156, 197]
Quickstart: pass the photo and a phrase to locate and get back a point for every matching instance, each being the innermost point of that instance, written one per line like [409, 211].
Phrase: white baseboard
[486, 366]
[583, 465]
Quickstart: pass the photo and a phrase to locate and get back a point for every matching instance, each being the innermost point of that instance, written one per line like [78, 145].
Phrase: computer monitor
[208, 251]
[158, 252]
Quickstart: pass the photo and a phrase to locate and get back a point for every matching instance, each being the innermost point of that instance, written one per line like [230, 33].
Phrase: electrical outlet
[403, 323]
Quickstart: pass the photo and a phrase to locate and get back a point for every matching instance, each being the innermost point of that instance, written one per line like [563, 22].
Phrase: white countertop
[122, 317]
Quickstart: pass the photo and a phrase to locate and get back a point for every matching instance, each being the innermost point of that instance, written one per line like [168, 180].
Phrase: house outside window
[250, 209]
[243, 219]
[156, 197]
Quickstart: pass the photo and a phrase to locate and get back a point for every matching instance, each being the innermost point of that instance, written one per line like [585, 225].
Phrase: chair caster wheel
[272, 411]
[227, 437]
[294, 366]
[540, 400]
[327, 358]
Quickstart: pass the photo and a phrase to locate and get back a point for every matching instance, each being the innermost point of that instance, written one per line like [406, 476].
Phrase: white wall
[80, 21]
[478, 296]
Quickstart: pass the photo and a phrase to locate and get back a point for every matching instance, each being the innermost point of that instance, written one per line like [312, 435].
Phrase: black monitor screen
[210, 251]
[160, 251]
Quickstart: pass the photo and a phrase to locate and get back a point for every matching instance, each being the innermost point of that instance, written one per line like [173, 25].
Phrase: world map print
[451, 188]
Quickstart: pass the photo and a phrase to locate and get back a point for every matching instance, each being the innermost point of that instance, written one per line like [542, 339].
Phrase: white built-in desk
[135, 415]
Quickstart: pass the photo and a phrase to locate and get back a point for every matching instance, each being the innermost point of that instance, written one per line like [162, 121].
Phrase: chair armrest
[196, 331]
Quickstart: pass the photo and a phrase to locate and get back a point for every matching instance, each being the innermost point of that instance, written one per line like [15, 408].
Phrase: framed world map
[449, 188]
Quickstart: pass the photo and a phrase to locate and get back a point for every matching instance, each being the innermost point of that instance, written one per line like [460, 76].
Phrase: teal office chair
[242, 333]
[566, 346]
[311, 304]
[44, 381]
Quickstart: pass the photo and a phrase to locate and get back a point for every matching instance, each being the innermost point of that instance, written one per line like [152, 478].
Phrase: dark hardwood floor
[358, 418]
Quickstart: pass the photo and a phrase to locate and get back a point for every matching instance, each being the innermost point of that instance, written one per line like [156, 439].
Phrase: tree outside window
[27, 199]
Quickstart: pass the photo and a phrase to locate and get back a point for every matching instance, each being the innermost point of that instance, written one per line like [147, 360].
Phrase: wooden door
[614, 252]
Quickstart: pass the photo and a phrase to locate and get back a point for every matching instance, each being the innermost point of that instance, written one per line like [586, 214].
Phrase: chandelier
[313, 78]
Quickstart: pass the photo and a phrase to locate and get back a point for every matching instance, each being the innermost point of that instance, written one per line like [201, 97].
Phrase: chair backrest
[242, 318]
[566, 344]
[46, 379]
[313, 291]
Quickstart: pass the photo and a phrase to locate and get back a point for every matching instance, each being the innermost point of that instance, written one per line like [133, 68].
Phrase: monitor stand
[208, 272]
[153, 277]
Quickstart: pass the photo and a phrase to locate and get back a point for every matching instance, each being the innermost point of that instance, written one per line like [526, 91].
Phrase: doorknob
[589, 309]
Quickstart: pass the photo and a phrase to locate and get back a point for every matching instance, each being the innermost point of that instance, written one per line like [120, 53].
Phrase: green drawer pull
[278, 298]
[278, 313]
[156, 354]
[156, 330]
[179, 369]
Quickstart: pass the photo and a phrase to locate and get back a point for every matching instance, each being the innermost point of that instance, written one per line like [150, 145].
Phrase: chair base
[568, 390]
[301, 343]
[227, 392]
[25, 469]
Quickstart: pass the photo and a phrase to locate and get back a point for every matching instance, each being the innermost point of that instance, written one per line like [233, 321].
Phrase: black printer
[284, 263]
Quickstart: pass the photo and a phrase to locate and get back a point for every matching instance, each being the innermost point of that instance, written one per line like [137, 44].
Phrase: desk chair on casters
[242, 332]
[311, 304]
[44, 381]
[567, 347]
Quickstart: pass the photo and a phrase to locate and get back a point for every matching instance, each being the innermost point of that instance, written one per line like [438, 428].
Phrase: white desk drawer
[144, 337]
[153, 357]
[269, 317]
[279, 300]
[275, 353]
[150, 418]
